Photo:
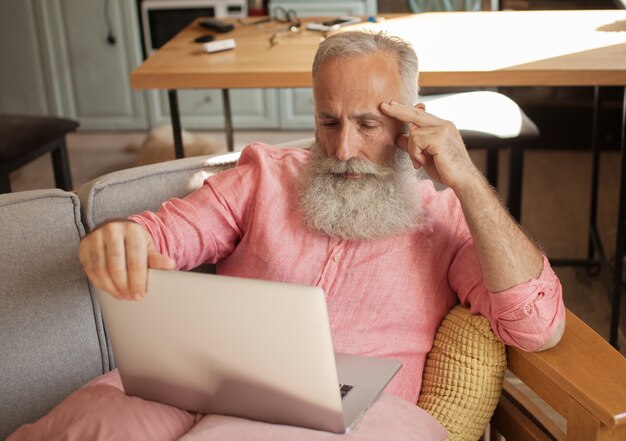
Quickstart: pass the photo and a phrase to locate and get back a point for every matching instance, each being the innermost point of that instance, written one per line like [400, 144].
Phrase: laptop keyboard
[345, 389]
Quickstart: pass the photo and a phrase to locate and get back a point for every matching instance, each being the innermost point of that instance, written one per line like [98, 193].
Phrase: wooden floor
[555, 205]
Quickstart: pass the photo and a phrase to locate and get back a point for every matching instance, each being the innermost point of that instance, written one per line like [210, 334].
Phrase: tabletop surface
[504, 48]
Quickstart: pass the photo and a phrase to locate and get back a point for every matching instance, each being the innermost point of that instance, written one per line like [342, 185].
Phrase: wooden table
[502, 48]
[531, 48]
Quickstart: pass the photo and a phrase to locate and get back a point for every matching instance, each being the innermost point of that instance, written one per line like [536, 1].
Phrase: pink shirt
[385, 297]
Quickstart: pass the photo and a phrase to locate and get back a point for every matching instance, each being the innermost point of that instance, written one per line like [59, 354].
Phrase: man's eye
[329, 123]
[368, 126]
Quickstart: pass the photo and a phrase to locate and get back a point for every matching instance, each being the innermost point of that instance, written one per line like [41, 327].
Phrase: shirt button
[336, 257]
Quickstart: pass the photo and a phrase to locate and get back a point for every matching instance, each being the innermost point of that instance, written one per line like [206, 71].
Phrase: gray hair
[353, 43]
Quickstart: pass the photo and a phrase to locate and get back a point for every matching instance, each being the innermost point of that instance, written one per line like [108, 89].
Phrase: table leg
[491, 169]
[516, 171]
[176, 129]
[595, 244]
[596, 257]
[619, 247]
[228, 125]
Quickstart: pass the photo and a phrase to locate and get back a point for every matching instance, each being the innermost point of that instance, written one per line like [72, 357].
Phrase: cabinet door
[296, 105]
[297, 108]
[327, 7]
[203, 109]
[22, 77]
[90, 77]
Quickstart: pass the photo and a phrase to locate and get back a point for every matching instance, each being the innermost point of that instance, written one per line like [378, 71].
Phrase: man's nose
[347, 144]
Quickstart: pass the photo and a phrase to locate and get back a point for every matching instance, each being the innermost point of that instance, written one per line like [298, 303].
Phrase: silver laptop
[249, 348]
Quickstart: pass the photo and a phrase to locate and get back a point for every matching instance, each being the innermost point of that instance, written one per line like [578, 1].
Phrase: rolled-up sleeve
[525, 315]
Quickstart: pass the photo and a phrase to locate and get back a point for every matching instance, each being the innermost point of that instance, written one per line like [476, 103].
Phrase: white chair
[492, 121]
[486, 119]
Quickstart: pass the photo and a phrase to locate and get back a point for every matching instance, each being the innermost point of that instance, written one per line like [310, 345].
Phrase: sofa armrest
[583, 379]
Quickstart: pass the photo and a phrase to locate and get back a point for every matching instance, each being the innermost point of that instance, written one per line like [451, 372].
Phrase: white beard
[383, 202]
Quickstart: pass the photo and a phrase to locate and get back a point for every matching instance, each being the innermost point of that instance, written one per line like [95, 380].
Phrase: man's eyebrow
[369, 116]
[323, 115]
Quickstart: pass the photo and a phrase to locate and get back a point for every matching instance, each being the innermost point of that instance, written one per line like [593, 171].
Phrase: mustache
[333, 166]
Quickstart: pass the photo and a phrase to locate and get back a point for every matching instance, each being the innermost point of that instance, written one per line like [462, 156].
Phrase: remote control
[216, 25]
[220, 45]
[204, 38]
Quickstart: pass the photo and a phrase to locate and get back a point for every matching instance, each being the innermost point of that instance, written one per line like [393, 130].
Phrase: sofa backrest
[51, 335]
[126, 192]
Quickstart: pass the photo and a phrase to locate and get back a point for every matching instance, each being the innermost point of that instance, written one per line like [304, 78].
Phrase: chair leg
[491, 167]
[516, 171]
[61, 166]
[5, 179]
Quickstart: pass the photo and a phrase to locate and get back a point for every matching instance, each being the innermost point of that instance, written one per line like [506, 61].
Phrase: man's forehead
[360, 66]
[359, 79]
[384, 58]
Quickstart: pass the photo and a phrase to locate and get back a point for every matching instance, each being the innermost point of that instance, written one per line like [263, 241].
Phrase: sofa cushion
[462, 379]
[102, 411]
[126, 192]
[51, 336]
[131, 191]
[389, 418]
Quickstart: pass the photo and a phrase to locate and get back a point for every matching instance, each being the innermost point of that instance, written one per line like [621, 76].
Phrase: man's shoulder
[269, 156]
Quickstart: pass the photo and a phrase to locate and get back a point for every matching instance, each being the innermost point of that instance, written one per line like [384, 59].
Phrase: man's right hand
[116, 257]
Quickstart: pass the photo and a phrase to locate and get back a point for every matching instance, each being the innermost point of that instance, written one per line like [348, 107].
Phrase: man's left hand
[433, 143]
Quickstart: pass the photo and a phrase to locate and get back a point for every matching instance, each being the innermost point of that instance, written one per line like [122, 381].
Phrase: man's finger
[93, 258]
[400, 112]
[160, 261]
[416, 115]
[137, 265]
[115, 253]
[418, 158]
[402, 141]
[405, 142]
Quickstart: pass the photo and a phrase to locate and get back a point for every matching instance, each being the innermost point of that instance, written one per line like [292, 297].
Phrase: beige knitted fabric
[463, 375]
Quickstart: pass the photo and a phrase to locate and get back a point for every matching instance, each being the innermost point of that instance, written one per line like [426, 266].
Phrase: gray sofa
[51, 333]
[52, 339]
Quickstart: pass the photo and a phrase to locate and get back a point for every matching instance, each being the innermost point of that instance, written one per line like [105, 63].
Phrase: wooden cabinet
[74, 70]
[23, 86]
[327, 7]
[202, 109]
[55, 59]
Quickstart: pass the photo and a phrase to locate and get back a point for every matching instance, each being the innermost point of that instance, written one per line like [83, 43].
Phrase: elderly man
[352, 216]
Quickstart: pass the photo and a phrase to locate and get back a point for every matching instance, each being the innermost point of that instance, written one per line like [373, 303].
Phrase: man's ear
[420, 106]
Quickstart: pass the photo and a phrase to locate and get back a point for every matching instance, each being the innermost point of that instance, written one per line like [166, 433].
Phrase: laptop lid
[226, 345]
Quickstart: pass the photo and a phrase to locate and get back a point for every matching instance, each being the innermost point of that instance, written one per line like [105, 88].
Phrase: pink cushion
[390, 418]
[101, 411]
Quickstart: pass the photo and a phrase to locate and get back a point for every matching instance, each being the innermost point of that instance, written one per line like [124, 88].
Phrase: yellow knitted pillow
[463, 375]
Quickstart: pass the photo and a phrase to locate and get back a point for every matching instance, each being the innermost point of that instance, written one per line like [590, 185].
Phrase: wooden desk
[534, 48]
[530, 48]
